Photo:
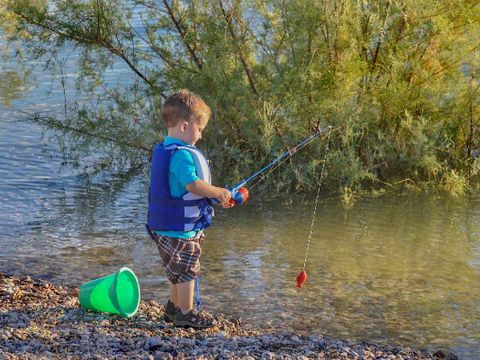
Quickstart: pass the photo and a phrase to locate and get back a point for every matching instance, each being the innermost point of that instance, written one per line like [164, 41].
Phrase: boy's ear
[184, 125]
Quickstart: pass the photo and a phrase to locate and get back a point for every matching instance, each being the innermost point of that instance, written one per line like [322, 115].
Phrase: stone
[159, 355]
[153, 342]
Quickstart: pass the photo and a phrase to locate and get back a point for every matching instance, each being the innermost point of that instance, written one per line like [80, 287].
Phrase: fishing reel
[239, 196]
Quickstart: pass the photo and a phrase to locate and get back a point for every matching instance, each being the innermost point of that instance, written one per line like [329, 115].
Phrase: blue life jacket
[168, 213]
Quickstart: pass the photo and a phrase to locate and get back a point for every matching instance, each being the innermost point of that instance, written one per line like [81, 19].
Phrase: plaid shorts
[180, 257]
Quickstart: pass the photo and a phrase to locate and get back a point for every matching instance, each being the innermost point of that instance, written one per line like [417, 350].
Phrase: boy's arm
[202, 188]
[182, 166]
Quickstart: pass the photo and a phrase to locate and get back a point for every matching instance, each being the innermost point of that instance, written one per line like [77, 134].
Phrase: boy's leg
[174, 294]
[186, 315]
[184, 292]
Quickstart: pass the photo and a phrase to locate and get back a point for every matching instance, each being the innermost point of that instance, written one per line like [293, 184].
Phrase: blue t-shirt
[181, 173]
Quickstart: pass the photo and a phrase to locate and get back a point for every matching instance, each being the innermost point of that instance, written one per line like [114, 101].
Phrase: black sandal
[170, 310]
[195, 319]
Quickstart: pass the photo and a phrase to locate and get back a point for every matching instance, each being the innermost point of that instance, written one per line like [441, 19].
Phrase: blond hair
[184, 105]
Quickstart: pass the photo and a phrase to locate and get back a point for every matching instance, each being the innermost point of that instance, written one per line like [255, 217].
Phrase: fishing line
[240, 194]
[314, 213]
[302, 276]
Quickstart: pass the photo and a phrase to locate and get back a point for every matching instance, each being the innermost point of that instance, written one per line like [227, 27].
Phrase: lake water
[395, 269]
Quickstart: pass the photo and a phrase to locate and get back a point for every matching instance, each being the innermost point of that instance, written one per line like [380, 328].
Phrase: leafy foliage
[400, 79]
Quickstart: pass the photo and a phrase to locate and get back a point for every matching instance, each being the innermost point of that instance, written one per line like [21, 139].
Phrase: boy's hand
[223, 196]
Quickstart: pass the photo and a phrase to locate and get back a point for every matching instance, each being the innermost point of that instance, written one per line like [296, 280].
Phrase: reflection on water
[403, 269]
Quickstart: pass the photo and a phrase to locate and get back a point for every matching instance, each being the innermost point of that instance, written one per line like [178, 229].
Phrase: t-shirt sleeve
[182, 165]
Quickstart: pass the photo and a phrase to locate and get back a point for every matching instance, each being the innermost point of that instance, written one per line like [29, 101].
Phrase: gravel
[40, 320]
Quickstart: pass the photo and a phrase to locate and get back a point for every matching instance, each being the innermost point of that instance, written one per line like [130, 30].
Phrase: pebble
[153, 342]
[39, 320]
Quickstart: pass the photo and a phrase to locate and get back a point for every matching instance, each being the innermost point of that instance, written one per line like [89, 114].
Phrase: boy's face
[192, 131]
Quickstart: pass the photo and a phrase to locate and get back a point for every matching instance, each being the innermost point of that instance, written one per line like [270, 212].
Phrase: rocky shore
[39, 320]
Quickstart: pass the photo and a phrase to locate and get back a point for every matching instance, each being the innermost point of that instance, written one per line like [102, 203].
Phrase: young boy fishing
[179, 206]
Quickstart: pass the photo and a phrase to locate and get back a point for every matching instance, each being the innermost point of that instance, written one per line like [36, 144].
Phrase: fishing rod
[240, 193]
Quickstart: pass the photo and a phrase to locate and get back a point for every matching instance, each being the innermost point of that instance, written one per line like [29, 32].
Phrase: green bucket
[117, 293]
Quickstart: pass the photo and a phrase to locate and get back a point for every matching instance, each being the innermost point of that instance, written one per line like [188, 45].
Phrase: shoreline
[41, 320]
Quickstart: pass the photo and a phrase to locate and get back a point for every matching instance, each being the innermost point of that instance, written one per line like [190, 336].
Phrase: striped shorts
[180, 257]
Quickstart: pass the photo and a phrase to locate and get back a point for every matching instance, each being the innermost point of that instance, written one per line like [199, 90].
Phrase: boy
[179, 208]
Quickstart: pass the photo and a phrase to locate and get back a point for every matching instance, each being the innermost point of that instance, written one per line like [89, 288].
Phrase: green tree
[400, 78]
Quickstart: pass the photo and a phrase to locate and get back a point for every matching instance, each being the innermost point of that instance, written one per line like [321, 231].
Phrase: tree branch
[61, 126]
[228, 20]
[439, 71]
[183, 34]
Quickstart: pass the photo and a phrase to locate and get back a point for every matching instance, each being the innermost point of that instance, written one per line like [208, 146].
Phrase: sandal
[170, 310]
[195, 319]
